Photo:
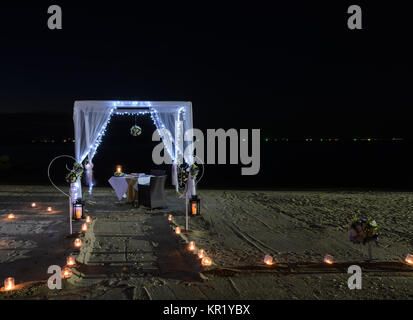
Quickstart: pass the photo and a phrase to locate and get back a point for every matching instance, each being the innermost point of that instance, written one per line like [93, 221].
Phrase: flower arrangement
[119, 174]
[362, 230]
[135, 130]
[76, 173]
[183, 173]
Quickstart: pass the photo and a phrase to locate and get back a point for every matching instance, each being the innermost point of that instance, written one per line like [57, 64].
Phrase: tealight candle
[84, 227]
[409, 259]
[201, 253]
[206, 261]
[119, 169]
[268, 260]
[78, 243]
[34, 205]
[191, 246]
[11, 216]
[49, 209]
[170, 217]
[88, 219]
[9, 284]
[66, 272]
[70, 261]
[178, 230]
[329, 259]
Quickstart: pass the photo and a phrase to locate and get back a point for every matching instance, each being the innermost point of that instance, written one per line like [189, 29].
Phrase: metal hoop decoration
[48, 172]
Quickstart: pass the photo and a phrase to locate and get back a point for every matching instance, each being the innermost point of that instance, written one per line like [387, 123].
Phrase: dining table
[128, 184]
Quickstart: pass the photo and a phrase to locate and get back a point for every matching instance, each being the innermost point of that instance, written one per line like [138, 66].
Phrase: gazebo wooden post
[70, 214]
[186, 213]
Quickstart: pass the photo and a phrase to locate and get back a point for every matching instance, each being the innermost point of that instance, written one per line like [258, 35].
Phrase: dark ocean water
[283, 165]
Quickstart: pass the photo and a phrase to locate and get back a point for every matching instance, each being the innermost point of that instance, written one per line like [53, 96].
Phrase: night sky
[291, 70]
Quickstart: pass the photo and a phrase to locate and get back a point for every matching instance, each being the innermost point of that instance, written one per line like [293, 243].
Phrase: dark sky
[242, 65]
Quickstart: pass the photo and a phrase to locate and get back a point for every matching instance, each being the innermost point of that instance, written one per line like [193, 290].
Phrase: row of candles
[329, 259]
[9, 283]
[71, 261]
[205, 260]
[12, 216]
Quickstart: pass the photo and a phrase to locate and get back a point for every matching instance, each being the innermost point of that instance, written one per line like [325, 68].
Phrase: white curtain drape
[92, 117]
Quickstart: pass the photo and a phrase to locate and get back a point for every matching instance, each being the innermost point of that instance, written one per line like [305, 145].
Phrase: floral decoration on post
[362, 230]
[183, 173]
[76, 173]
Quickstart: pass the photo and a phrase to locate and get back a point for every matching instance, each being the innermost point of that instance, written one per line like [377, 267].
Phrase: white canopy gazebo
[92, 117]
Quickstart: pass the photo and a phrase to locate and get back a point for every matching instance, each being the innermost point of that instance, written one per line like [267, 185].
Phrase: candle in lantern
[49, 209]
[78, 243]
[70, 261]
[409, 259]
[329, 259]
[191, 246]
[78, 213]
[11, 216]
[268, 260]
[66, 272]
[88, 219]
[84, 227]
[9, 284]
[206, 261]
[34, 205]
[178, 230]
[201, 253]
[119, 169]
[193, 206]
[170, 217]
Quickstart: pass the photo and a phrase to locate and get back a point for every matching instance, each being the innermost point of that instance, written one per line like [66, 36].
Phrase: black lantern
[194, 206]
[78, 212]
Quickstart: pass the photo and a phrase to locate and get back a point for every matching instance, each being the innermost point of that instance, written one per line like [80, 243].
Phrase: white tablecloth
[120, 185]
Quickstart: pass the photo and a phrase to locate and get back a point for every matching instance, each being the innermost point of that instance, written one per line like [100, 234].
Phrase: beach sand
[133, 253]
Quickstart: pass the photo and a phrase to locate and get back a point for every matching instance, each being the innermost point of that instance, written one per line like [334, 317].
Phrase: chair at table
[155, 172]
[153, 195]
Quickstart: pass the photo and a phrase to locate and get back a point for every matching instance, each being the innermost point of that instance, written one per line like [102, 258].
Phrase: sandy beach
[133, 253]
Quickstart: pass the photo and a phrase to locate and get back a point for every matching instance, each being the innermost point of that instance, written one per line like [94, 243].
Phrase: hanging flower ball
[135, 131]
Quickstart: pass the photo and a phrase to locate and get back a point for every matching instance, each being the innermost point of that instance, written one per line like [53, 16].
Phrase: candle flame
[88, 219]
[191, 246]
[49, 209]
[268, 260]
[33, 204]
[170, 217]
[328, 259]
[206, 261]
[201, 253]
[177, 230]
[11, 216]
[70, 261]
[78, 243]
[9, 284]
[409, 259]
[84, 227]
[66, 273]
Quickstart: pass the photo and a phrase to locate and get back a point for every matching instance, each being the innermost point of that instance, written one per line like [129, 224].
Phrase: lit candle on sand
[268, 260]
[191, 246]
[78, 243]
[206, 261]
[66, 272]
[9, 284]
[201, 253]
[329, 259]
[70, 261]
